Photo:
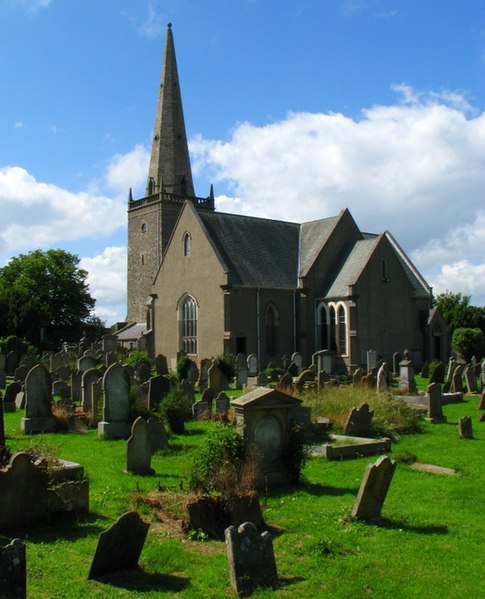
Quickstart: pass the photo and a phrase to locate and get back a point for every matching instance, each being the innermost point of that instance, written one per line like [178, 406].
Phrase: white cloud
[468, 278]
[37, 214]
[107, 282]
[128, 170]
[416, 168]
[30, 5]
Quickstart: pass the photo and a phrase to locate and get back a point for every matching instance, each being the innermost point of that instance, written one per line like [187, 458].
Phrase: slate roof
[132, 331]
[313, 237]
[256, 251]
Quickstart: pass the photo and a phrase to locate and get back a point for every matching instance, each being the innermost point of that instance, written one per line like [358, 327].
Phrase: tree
[468, 343]
[457, 312]
[44, 297]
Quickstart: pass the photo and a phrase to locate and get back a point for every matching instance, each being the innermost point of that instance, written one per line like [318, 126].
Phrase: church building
[207, 283]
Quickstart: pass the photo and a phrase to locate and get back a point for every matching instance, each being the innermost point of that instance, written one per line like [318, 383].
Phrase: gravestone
[158, 387]
[435, 403]
[61, 389]
[396, 358]
[201, 410]
[425, 371]
[265, 418]
[97, 400]
[86, 363]
[358, 376]
[110, 358]
[3, 361]
[10, 396]
[241, 375]
[143, 372]
[63, 373]
[116, 405]
[297, 359]
[371, 359]
[383, 378]
[188, 390]
[21, 372]
[13, 571]
[222, 403]
[76, 378]
[3, 378]
[456, 380]
[450, 369]
[481, 405]
[406, 374]
[373, 489]
[89, 377]
[465, 427]
[359, 421]
[161, 365]
[202, 382]
[119, 548]
[157, 434]
[38, 402]
[109, 343]
[438, 374]
[285, 383]
[252, 360]
[138, 449]
[11, 363]
[215, 378]
[251, 558]
[208, 396]
[471, 381]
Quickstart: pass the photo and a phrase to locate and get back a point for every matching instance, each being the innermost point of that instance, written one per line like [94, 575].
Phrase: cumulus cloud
[107, 282]
[30, 5]
[416, 167]
[128, 170]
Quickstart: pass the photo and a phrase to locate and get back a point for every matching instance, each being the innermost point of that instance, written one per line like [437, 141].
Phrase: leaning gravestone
[359, 421]
[251, 558]
[38, 402]
[465, 427]
[435, 403]
[138, 449]
[373, 489]
[116, 409]
[13, 571]
[119, 548]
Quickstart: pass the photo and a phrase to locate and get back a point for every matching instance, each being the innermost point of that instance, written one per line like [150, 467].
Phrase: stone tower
[151, 219]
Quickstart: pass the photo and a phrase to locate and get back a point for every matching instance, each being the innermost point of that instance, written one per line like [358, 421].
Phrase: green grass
[429, 544]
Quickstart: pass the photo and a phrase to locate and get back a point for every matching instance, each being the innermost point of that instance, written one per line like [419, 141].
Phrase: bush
[175, 408]
[16, 344]
[226, 364]
[468, 343]
[224, 465]
[137, 357]
[183, 365]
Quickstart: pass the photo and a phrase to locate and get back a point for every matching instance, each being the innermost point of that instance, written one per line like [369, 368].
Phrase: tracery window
[188, 316]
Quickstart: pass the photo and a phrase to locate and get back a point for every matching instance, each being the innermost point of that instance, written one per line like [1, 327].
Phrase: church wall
[387, 313]
[200, 274]
[144, 254]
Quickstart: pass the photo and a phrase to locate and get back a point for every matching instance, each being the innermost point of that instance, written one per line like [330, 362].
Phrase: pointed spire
[170, 153]
[130, 196]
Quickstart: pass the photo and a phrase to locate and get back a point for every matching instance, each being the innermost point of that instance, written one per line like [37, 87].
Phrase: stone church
[206, 283]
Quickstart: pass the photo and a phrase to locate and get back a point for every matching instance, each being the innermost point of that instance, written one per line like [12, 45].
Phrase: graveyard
[422, 533]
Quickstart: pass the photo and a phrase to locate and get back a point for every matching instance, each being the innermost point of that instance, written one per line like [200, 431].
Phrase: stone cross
[373, 489]
[251, 558]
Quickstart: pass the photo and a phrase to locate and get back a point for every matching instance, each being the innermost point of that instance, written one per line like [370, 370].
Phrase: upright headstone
[89, 377]
[383, 378]
[3, 378]
[13, 571]
[188, 390]
[252, 365]
[76, 378]
[116, 405]
[435, 409]
[158, 387]
[161, 364]
[86, 363]
[396, 358]
[138, 449]
[373, 489]
[297, 358]
[371, 359]
[119, 548]
[251, 558]
[215, 378]
[109, 343]
[456, 380]
[357, 376]
[438, 374]
[10, 396]
[406, 374]
[38, 402]
[465, 427]
[222, 403]
[471, 381]
[359, 421]
[143, 372]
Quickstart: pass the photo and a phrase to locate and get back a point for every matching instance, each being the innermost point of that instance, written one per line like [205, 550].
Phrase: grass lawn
[430, 543]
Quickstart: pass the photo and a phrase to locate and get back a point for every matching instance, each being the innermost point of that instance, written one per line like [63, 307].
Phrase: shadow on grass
[428, 529]
[144, 582]
[286, 581]
[318, 489]
[61, 527]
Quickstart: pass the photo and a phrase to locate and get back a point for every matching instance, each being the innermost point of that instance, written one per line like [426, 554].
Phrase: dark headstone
[465, 427]
[120, 546]
[438, 375]
[157, 434]
[435, 410]
[13, 572]
[359, 421]
[373, 489]
[251, 558]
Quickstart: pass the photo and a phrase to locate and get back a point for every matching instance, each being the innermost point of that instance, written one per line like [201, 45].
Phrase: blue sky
[293, 110]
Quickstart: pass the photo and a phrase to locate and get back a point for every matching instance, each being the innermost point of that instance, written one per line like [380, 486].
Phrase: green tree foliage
[458, 313]
[44, 297]
[468, 342]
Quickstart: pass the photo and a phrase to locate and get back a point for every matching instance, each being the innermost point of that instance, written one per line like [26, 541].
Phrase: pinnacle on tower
[170, 160]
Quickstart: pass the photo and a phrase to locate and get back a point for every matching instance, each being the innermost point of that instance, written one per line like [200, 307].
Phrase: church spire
[170, 153]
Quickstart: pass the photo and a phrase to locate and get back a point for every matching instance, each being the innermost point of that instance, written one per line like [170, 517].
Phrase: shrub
[175, 408]
[468, 343]
[16, 344]
[183, 365]
[226, 364]
[136, 357]
[223, 464]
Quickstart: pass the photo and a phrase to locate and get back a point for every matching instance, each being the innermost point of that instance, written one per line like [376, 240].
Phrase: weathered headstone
[76, 378]
[201, 410]
[481, 405]
[359, 421]
[21, 372]
[3, 378]
[10, 396]
[371, 359]
[188, 390]
[119, 548]
[110, 358]
[251, 558]
[89, 377]
[383, 378]
[373, 489]
[285, 383]
[109, 343]
[86, 363]
[456, 380]
[215, 378]
[116, 405]
[357, 376]
[465, 427]
[38, 402]
[157, 434]
[13, 571]
[252, 360]
[138, 449]
[435, 402]
[222, 403]
[471, 381]
[158, 387]
[297, 358]
[406, 374]
[143, 372]
[161, 364]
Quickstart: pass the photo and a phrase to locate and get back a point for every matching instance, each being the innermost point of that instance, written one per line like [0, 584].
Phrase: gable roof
[256, 252]
[313, 237]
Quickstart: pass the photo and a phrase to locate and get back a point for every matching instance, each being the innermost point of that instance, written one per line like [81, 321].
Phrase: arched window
[188, 315]
[342, 331]
[271, 330]
[143, 227]
[323, 320]
[333, 329]
[187, 240]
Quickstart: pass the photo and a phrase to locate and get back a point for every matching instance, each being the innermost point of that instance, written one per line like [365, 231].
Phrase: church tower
[151, 219]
